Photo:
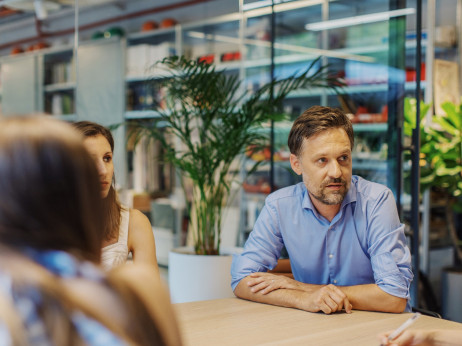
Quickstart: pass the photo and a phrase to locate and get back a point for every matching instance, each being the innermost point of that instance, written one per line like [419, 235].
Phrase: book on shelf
[150, 173]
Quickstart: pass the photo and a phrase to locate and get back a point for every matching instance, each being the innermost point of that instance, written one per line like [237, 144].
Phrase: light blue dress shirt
[364, 243]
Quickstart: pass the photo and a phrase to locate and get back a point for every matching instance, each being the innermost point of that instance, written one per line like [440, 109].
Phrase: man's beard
[333, 197]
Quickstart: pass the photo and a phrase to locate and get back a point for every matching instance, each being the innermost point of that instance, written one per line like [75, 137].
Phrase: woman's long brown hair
[111, 204]
[49, 189]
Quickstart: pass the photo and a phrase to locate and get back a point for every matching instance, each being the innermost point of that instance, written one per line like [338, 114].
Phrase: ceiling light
[364, 19]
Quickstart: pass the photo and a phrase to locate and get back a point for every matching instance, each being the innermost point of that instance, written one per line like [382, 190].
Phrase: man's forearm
[371, 297]
[366, 297]
[282, 297]
[311, 298]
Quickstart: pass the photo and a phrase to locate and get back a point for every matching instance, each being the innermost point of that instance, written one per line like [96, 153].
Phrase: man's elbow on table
[242, 290]
[395, 304]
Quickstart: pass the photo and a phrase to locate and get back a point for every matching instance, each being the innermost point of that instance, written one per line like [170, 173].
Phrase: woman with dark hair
[125, 230]
[52, 291]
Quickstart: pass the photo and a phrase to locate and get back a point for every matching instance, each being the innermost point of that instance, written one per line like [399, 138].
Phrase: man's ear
[295, 164]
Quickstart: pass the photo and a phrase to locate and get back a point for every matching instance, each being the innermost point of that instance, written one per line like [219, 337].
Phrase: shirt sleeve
[262, 249]
[389, 253]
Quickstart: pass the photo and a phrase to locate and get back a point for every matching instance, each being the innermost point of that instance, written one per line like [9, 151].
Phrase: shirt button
[335, 281]
[330, 255]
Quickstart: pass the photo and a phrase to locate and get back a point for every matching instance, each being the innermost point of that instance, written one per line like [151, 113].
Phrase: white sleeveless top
[116, 254]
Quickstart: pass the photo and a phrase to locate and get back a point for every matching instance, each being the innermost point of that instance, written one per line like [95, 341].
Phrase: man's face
[325, 165]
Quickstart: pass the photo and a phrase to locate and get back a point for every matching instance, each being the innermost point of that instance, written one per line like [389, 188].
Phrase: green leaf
[453, 114]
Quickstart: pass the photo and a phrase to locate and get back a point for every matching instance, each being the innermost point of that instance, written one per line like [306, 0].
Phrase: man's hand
[266, 282]
[329, 299]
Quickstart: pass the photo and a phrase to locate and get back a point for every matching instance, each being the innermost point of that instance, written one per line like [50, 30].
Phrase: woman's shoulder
[137, 218]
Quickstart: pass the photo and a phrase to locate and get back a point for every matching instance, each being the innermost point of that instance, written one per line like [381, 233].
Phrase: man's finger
[259, 287]
[334, 306]
[347, 305]
[325, 308]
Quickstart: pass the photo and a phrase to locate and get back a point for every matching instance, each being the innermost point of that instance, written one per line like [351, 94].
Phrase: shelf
[235, 65]
[147, 114]
[370, 127]
[152, 33]
[59, 87]
[369, 164]
[141, 79]
[354, 53]
[410, 44]
[65, 117]
[352, 89]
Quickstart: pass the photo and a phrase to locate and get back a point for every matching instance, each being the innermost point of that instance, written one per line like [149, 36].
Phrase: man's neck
[328, 211]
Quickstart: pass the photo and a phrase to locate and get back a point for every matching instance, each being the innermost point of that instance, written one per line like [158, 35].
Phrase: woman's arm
[141, 239]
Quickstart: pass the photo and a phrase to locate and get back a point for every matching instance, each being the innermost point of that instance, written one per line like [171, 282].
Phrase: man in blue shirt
[345, 241]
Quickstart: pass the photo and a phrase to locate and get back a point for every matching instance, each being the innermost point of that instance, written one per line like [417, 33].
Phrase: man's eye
[107, 159]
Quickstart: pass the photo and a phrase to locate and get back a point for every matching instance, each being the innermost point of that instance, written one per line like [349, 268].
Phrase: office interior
[90, 60]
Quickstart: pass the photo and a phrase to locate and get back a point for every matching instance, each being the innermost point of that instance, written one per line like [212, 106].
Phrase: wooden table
[233, 321]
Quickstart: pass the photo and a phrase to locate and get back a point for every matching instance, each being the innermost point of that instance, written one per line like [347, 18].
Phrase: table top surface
[234, 321]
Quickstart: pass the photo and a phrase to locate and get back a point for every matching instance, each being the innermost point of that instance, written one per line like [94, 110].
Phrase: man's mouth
[334, 185]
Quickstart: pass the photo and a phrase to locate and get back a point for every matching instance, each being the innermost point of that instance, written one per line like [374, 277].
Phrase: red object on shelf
[149, 25]
[168, 22]
[41, 45]
[16, 50]
[261, 187]
[364, 116]
[208, 59]
[384, 114]
[231, 56]
[411, 73]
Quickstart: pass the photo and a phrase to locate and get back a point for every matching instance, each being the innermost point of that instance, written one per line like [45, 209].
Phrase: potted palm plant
[208, 123]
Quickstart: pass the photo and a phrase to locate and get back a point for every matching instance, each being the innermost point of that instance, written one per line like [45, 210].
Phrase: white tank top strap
[124, 221]
[116, 254]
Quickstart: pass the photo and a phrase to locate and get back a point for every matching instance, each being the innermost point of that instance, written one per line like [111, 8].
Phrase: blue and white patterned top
[28, 298]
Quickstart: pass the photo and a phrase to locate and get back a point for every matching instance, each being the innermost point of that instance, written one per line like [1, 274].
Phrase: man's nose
[334, 169]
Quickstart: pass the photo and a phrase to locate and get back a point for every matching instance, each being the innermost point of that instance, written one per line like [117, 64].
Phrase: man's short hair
[314, 120]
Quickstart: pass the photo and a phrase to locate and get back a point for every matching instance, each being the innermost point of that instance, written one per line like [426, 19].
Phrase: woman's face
[100, 150]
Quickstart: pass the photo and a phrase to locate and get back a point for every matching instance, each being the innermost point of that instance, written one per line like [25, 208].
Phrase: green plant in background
[441, 156]
[210, 121]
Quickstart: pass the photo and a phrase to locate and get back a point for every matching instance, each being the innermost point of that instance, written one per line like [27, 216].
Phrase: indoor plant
[441, 153]
[212, 121]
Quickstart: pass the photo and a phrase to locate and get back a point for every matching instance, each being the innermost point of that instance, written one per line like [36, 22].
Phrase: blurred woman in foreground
[51, 288]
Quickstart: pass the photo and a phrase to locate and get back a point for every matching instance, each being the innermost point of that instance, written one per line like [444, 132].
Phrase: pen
[402, 327]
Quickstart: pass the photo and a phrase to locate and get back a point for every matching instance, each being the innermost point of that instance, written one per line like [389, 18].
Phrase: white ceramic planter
[194, 277]
[451, 289]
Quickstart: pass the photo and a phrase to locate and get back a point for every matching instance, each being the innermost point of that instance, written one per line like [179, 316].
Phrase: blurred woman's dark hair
[50, 228]
[36, 179]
